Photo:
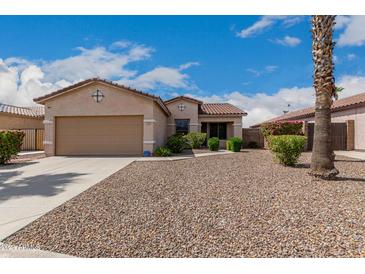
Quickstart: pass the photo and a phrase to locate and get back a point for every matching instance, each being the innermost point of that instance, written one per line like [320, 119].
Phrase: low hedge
[282, 128]
[177, 143]
[10, 143]
[234, 144]
[213, 144]
[163, 152]
[287, 148]
[195, 139]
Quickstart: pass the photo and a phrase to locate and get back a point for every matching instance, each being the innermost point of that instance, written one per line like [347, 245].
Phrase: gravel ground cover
[236, 205]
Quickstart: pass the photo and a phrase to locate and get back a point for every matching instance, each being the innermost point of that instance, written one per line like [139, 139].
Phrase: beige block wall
[190, 112]
[356, 114]
[160, 126]
[115, 102]
[18, 122]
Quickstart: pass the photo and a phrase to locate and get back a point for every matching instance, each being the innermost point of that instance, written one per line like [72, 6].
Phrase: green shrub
[10, 143]
[253, 144]
[163, 152]
[287, 148]
[213, 144]
[176, 143]
[282, 128]
[228, 145]
[235, 144]
[195, 139]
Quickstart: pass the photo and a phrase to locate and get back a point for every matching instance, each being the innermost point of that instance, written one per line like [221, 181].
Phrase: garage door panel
[100, 135]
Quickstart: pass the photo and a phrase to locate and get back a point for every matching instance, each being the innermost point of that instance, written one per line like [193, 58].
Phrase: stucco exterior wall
[356, 114]
[115, 102]
[18, 122]
[159, 126]
[190, 112]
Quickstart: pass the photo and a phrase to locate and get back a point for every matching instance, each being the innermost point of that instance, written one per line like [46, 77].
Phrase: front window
[182, 126]
[218, 130]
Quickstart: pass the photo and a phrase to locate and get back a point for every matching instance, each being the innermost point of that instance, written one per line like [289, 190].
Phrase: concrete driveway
[31, 189]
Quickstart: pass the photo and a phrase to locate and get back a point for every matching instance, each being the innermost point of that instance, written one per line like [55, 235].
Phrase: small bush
[235, 144]
[163, 152]
[176, 143]
[213, 144]
[195, 139]
[228, 145]
[287, 148]
[253, 144]
[282, 128]
[10, 143]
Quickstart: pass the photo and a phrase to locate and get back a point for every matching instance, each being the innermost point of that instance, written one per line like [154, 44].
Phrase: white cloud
[160, 77]
[188, 65]
[354, 32]
[22, 80]
[288, 41]
[121, 44]
[266, 22]
[254, 72]
[351, 56]
[292, 20]
[257, 73]
[271, 68]
[94, 62]
[352, 85]
[342, 21]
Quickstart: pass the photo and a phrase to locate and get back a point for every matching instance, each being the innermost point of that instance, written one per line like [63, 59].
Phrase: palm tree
[322, 164]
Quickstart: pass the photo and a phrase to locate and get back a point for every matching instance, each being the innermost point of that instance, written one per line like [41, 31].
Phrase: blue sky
[259, 63]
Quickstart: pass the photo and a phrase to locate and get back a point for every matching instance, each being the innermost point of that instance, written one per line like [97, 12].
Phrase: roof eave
[43, 99]
[223, 115]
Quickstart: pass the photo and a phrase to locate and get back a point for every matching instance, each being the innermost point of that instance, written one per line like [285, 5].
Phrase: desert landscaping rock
[236, 205]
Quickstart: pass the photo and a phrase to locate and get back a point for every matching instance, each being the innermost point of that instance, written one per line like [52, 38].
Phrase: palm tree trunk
[322, 164]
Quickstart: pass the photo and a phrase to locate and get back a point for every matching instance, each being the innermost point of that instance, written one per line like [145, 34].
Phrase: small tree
[10, 143]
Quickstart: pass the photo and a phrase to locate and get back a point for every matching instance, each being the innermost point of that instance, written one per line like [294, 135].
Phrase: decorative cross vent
[98, 96]
[181, 107]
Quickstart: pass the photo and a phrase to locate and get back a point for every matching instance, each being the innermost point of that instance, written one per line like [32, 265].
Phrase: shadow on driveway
[41, 185]
[16, 165]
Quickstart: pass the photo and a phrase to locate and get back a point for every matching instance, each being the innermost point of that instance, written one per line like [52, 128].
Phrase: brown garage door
[99, 135]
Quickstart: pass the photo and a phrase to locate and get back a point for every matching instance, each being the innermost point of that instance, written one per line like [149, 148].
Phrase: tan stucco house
[14, 117]
[99, 117]
[349, 111]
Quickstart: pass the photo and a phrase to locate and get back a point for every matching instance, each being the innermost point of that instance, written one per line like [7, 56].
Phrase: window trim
[218, 124]
[188, 126]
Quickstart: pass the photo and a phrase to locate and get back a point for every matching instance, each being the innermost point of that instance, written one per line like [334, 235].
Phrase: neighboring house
[27, 119]
[14, 117]
[349, 111]
[99, 117]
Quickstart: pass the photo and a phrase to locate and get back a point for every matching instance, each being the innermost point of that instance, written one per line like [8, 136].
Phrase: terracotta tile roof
[35, 112]
[183, 97]
[220, 109]
[338, 105]
[157, 99]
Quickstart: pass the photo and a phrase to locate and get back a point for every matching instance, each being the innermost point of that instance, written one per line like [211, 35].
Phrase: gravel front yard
[236, 205]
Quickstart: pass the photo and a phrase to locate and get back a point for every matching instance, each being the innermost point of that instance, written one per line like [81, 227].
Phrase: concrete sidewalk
[31, 189]
[10, 251]
[351, 154]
